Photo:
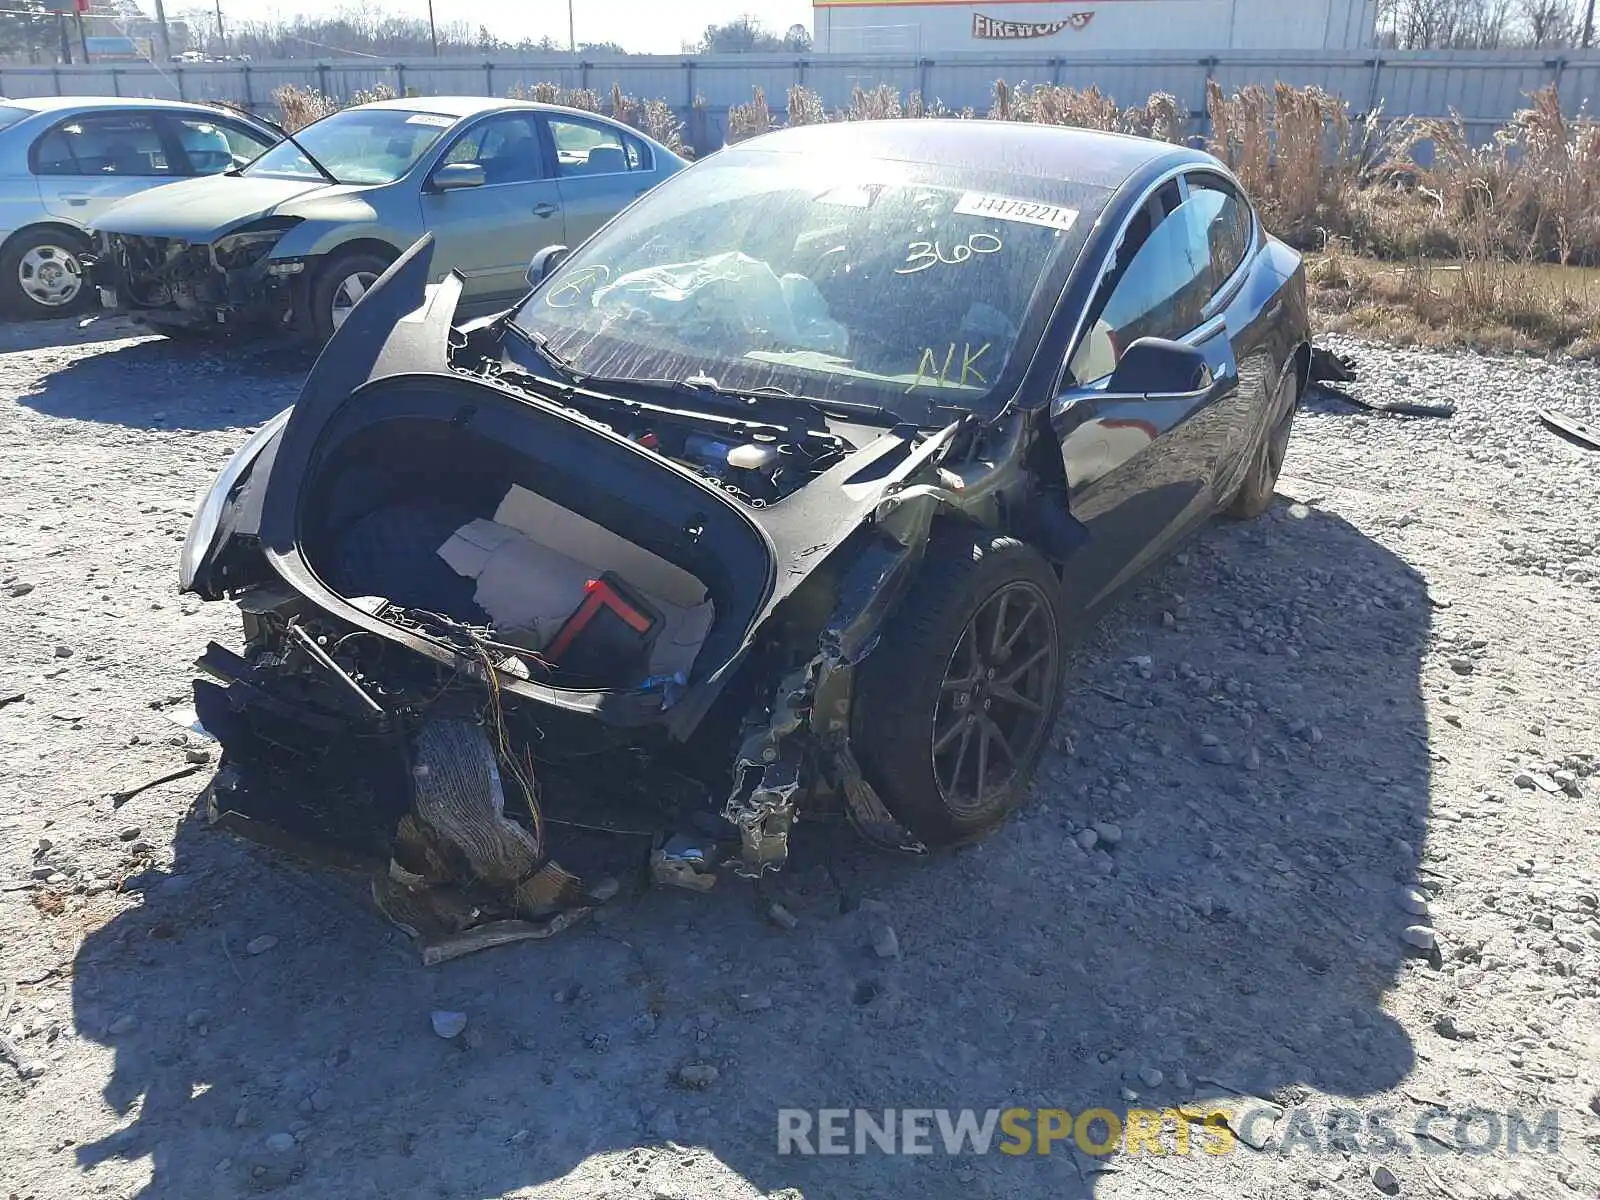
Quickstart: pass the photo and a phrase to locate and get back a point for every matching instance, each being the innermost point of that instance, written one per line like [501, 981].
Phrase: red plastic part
[598, 594]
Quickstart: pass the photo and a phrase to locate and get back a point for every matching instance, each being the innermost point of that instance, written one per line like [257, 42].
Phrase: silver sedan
[64, 160]
[292, 242]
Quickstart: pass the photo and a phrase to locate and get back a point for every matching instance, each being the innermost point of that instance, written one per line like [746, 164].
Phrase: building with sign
[1050, 26]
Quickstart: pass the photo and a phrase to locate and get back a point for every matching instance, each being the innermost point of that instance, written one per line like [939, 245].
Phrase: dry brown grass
[748, 120]
[1050, 104]
[1490, 305]
[1297, 151]
[806, 107]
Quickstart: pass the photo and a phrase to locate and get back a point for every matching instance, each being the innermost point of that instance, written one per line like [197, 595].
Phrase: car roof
[450, 106]
[471, 106]
[60, 103]
[1051, 152]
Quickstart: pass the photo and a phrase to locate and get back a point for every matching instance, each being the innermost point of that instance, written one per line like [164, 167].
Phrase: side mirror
[544, 262]
[1158, 367]
[454, 176]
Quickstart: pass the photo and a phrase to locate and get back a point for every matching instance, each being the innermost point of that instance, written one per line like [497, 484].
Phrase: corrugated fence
[1486, 87]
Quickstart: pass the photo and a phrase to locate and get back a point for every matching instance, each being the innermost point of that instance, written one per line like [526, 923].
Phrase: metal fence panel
[1485, 86]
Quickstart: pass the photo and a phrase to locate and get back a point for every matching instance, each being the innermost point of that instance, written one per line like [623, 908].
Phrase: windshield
[909, 288]
[9, 116]
[358, 145]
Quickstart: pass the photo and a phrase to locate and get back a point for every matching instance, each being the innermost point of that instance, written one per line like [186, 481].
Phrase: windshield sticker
[436, 119]
[922, 255]
[1008, 208]
[931, 370]
[852, 195]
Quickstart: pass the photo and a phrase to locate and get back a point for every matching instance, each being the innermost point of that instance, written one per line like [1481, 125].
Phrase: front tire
[341, 283]
[41, 274]
[955, 707]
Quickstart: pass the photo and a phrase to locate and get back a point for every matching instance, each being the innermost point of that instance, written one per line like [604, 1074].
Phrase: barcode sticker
[1008, 208]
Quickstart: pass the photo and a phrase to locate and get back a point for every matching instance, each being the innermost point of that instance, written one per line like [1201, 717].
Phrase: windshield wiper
[304, 153]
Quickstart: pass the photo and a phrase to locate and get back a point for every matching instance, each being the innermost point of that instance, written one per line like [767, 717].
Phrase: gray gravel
[1374, 709]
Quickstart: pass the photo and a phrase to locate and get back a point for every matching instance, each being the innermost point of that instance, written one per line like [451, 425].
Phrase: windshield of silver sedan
[868, 283]
[357, 146]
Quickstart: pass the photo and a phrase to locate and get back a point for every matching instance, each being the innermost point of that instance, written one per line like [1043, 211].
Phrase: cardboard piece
[531, 576]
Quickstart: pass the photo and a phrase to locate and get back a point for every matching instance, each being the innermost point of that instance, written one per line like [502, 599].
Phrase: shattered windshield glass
[869, 282]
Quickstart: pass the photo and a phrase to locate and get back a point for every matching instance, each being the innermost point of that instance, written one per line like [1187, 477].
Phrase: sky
[642, 26]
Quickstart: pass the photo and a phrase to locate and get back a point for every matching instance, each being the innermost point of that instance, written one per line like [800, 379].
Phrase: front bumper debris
[171, 282]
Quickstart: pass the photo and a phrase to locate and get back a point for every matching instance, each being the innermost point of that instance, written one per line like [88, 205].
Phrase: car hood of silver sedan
[199, 210]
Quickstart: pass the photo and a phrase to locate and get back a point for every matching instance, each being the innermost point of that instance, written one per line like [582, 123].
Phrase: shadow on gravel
[160, 383]
[1240, 936]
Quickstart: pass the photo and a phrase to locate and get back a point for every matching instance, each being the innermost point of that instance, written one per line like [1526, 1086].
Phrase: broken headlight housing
[247, 246]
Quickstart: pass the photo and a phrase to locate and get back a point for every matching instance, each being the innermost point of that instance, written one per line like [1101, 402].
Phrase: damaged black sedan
[778, 499]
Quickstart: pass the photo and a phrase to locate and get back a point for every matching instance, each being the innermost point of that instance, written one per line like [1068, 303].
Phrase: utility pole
[165, 35]
[222, 37]
[66, 38]
[83, 34]
[1588, 27]
[433, 30]
[572, 28]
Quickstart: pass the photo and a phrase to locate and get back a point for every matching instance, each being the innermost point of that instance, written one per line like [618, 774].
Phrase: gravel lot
[1391, 681]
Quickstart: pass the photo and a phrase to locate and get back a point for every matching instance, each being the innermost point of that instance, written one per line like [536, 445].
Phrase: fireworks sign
[989, 29]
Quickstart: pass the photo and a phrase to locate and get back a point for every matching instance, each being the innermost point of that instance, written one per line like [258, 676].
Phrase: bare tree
[1550, 22]
[1477, 24]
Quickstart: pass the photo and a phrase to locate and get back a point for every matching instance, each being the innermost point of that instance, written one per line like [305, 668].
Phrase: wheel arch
[1301, 362]
[56, 225]
[376, 247]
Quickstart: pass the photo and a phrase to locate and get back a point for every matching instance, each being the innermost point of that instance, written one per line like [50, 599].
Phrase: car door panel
[1139, 469]
[490, 233]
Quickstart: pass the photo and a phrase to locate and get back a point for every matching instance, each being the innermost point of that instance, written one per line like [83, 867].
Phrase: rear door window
[122, 144]
[588, 148]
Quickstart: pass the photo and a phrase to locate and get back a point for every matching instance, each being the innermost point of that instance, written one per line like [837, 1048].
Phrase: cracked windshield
[869, 289]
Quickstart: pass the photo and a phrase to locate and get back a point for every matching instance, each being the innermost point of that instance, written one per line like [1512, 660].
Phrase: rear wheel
[41, 274]
[1255, 497]
[339, 287]
[955, 707]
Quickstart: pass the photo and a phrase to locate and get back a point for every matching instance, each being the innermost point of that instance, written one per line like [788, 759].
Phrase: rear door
[490, 233]
[601, 168]
[86, 163]
[1141, 470]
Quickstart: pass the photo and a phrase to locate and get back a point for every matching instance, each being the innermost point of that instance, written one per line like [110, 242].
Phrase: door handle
[546, 209]
[76, 199]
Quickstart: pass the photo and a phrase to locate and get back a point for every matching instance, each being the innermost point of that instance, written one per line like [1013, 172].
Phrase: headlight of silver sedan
[248, 246]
